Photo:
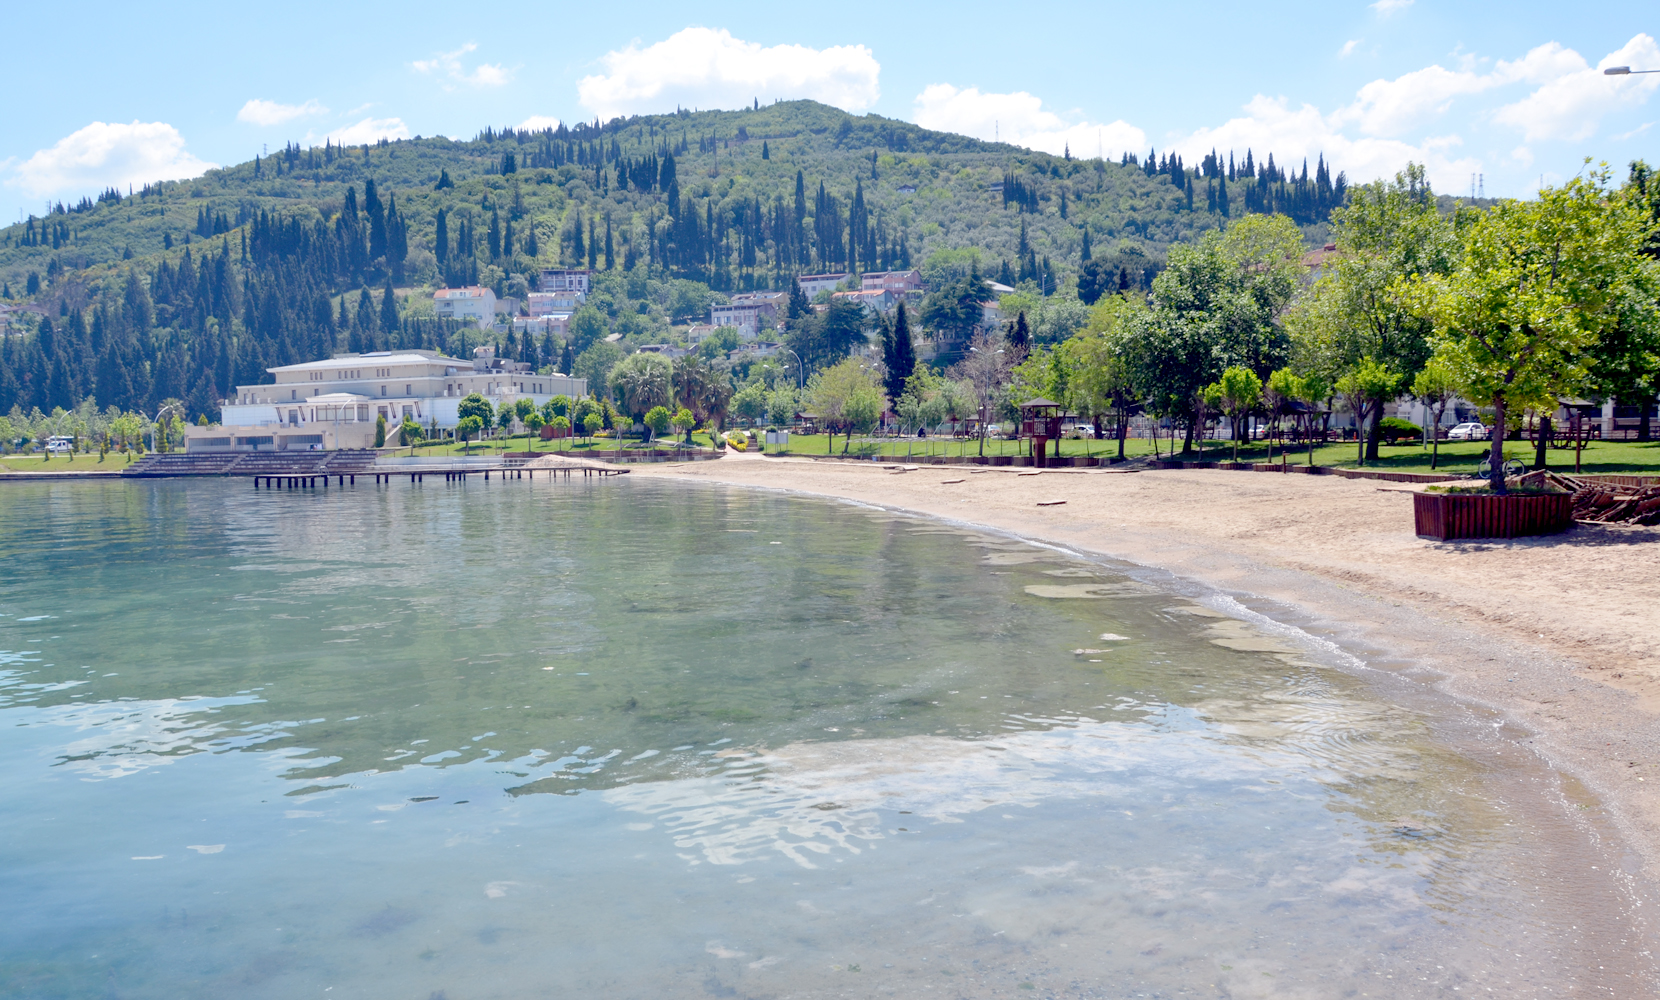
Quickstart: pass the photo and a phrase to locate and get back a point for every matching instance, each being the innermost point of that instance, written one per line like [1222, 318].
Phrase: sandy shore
[1561, 634]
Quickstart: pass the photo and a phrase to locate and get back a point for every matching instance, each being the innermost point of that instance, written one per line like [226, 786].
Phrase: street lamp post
[1626, 71]
[800, 368]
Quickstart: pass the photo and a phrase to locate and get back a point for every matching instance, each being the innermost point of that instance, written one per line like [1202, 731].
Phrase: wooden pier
[417, 476]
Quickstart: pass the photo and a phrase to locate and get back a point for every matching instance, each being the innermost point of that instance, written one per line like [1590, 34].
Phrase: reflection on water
[642, 740]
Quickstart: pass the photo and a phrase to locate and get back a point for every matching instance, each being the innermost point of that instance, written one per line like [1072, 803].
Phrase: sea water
[634, 739]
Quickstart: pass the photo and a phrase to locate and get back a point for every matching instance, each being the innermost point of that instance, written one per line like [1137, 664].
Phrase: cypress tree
[1084, 254]
[388, 309]
[766, 154]
[566, 360]
[900, 356]
[610, 255]
[1021, 335]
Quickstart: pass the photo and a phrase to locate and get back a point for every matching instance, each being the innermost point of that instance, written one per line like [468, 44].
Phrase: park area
[1455, 458]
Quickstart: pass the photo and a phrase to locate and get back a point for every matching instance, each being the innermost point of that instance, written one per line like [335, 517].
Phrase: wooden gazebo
[1040, 420]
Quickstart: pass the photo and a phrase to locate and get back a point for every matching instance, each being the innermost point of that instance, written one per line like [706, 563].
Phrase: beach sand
[1559, 634]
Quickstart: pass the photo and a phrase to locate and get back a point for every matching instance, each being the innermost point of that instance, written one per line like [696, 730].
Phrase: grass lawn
[565, 446]
[114, 462]
[1457, 457]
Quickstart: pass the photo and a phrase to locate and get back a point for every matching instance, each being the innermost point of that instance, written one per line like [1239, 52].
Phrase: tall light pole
[800, 368]
[1626, 71]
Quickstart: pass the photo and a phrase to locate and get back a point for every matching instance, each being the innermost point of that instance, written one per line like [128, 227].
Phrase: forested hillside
[183, 289]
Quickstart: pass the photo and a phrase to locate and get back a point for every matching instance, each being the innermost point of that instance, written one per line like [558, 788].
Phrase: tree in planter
[466, 429]
[657, 421]
[1369, 384]
[1435, 386]
[380, 431]
[1241, 390]
[1536, 286]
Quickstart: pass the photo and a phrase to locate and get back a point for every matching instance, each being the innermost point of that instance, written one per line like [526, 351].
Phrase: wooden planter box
[1445, 515]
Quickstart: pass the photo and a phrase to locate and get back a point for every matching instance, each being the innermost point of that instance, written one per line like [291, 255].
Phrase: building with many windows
[336, 403]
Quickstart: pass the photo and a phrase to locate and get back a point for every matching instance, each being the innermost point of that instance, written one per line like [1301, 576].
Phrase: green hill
[186, 288]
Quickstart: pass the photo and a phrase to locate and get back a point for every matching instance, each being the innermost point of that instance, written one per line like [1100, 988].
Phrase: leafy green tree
[684, 422]
[534, 422]
[1435, 385]
[1535, 287]
[1366, 387]
[824, 339]
[657, 421]
[750, 402]
[475, 405]
[1390, 232]
[410, 433]
[591, 423]
[467, 428]
[561, 429]
[587, 327]
[781, 406]
[1240, 391]
[640, 382]
[1278, 393]
[380, 431]
[954, 311]
[595, 365]
[833, 390]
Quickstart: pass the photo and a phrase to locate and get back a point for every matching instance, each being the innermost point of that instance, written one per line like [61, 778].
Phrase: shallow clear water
[634, 739]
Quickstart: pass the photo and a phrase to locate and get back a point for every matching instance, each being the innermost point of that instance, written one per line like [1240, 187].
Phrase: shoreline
[1555, 635]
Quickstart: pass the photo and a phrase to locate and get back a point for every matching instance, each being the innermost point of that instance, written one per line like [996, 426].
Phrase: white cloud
[1021, 119]
[1387, 7]
[258, 112]
[536, 123]
[106, 155]
[1270, 125]
[366, 131]
[1348, 48]
[1391, 107]
[448, 65]
[708, 68]
[1574, 97]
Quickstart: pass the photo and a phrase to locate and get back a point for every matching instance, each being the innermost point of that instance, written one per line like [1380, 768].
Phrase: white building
[564, 280]
[543, 303]
[471, 304]
[896, 283]
[812, 284]
[334, 403]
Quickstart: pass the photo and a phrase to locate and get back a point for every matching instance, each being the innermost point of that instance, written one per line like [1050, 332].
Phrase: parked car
[1468, 432]
[60, 444]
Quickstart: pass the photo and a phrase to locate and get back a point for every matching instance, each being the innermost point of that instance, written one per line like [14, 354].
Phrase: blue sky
[1511, 91]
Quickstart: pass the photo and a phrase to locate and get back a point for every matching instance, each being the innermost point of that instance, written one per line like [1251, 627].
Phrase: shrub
[1395, 430]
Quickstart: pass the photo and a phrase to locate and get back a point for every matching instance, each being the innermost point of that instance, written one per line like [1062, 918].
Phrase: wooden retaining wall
[1445, 516]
